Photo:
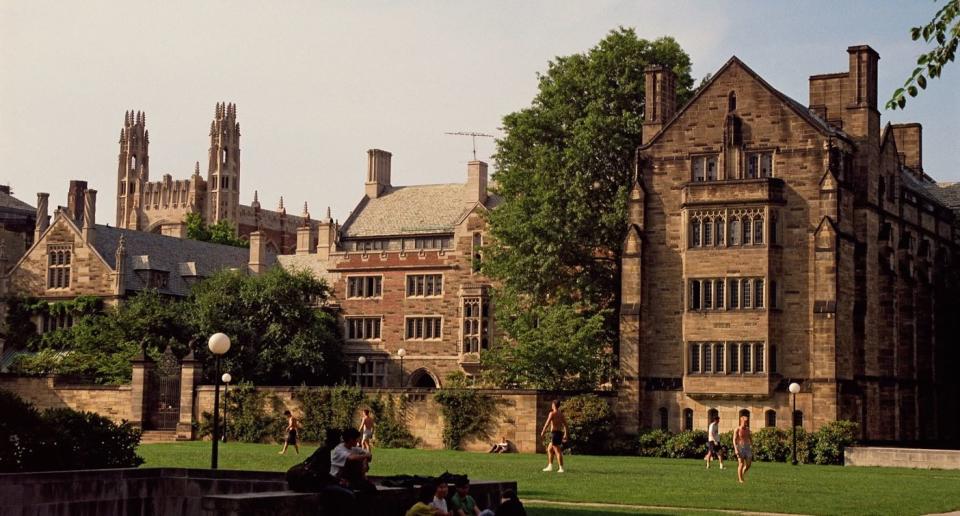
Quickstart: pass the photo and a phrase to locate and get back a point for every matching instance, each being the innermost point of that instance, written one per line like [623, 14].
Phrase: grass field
[682, 484]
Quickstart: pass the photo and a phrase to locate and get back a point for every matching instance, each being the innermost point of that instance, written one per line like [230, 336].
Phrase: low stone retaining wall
[200, 492]
[901, 457]
[111, 401]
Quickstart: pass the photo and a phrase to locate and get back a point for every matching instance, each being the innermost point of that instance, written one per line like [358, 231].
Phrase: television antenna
[473, 135]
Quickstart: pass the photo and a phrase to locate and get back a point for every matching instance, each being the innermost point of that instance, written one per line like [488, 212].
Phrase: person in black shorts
[557, 424]
[293, 424]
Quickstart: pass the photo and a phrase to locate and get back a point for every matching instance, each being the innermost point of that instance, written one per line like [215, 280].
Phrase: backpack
[311, 475]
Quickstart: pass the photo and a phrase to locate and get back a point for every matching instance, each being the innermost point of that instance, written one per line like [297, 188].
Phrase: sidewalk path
[598, 505]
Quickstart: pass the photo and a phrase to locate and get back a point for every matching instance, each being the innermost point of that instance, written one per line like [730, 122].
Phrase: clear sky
[318, 83]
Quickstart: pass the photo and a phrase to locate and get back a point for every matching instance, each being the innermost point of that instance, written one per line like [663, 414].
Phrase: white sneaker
[721, 466]
[548, 468]
[560, 470]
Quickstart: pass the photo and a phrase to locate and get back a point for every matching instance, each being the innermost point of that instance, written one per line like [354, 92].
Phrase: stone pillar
[142, 368]
[189, 374]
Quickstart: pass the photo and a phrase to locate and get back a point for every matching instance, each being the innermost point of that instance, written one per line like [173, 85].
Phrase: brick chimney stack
[476, 182]
[378, 172]
[862, 120]
[75, 200]
[660, 89]
[909, 138]
[89, 216]
[43, 217]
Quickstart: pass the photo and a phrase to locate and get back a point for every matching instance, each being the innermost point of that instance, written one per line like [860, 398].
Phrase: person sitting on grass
[424, 497]
[462, 504]
[501, 447]
[510, 505]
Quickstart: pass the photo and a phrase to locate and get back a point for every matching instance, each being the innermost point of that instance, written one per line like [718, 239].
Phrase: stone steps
[158, 436]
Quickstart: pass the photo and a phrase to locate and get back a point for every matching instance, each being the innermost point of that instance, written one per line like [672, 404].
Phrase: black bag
[311, 475]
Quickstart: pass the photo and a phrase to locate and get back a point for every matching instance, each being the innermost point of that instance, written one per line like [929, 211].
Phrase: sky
[316, 84]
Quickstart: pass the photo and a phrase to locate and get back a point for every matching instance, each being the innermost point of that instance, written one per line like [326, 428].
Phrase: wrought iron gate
[163, 394]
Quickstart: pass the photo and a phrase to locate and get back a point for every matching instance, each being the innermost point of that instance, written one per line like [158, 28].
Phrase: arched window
[732, 101]
[747, 230]
[224, 156]
[758, 230]
[688, 419]
[711, 415]
[719, 232]
[771, 418]
[695, 233]
[798, 418]
[707, 232]
[663, 419]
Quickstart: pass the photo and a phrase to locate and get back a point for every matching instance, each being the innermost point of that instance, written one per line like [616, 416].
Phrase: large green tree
[279, 334]
[944, 30]
[564, 169]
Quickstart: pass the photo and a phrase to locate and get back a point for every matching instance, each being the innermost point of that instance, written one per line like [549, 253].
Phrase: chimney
[43, 219]
[89, 216]
[75, 200]
[476, 182]
[378, 172]
[862, 120]
[258, 253]
[326, 237]
[909, 138]
[660, 102]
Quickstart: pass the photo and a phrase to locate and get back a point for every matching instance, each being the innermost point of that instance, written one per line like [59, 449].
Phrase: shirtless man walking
[366, 430]
[558, 435]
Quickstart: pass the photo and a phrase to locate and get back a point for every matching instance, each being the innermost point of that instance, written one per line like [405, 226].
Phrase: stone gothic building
[772, 242]
[161, 206]
[404, 274]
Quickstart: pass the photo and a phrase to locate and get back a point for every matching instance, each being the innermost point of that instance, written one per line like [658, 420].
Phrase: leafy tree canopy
[944, 29]
[564, 169]
[219, 233]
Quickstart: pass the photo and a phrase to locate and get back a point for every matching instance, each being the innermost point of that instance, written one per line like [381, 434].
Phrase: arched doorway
[423, 379]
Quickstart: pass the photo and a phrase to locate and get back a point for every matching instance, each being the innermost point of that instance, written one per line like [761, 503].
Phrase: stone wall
[520, 414]
[111, 401]
[901, 457]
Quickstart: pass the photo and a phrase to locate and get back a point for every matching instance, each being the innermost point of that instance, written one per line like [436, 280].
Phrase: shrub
[771, 445]
[690, 444]
[60, 439]
[391, 430]
[651, 443]
[831, 438]
[467, 414]
[84, 440]
[328, 407]
[247, 417]
[804, 448]
[589, 423]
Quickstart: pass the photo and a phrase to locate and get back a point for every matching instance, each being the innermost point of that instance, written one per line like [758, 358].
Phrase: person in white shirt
[439, 502]
[713, 442]
[347, 451]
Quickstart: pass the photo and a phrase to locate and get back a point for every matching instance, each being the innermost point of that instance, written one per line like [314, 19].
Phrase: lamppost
[218, 344]
[360, 361]
[226, 385]
[401, 353]
[794, 389]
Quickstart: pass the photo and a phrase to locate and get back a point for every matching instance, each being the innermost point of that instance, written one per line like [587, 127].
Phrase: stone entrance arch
[423, 379]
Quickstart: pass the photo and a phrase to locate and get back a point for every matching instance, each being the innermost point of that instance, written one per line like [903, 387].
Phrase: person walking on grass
[557, 424]
[713, 442]
[293, 424]
[742, 446]
[366, 430]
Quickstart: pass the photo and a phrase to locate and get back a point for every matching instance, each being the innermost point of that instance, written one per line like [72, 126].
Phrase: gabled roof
[180, 257]
[801, 110]
[409, 210]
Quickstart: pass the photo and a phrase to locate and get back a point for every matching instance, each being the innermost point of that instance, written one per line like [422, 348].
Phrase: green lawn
[771, 487]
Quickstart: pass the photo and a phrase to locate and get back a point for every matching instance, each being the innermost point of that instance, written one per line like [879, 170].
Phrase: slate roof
[181, 257]
[9, 202]
[406, 210]
[947, 193]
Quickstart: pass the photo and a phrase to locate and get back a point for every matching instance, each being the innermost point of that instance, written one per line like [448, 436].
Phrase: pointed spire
[256, 201]
[328, 218]
[121, 246]
[306, 212]
[121, 135]
[281, 208]
[255, 196]
[196, 168]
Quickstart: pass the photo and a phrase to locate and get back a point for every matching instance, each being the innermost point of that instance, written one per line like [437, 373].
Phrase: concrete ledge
[901, 457]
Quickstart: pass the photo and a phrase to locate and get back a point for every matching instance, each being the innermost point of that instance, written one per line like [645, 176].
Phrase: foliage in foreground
[468, 414]
[247, 415]
[590, 423]
[220, 233]
[326, 408]
[391, 429]
[944, 29]
[62, 439]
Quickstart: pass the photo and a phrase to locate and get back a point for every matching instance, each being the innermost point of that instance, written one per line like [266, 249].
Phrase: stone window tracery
[721, 358]
[475, 321]
[727, 228]
[58, 267]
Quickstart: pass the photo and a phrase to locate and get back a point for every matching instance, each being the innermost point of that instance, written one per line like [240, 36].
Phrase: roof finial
[329, 218]
[281, 208]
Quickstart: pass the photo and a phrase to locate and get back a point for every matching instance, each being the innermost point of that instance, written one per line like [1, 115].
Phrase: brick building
[161, 206]
[402, 268]
[771, 242]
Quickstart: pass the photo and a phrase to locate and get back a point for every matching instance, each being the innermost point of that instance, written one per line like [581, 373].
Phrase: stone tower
[223, 174]
[133, 168]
